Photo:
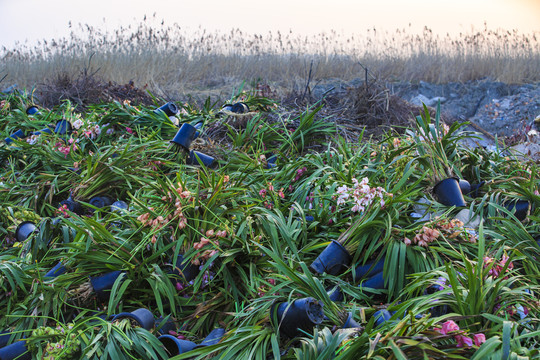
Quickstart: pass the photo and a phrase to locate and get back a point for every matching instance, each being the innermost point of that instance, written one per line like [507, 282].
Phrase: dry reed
[170, 61]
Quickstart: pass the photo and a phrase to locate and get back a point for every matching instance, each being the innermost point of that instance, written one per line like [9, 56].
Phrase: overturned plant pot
[474, 190]
[100, 201]
[31, 110]
[24, 230]
[195, 157]
[184, 136]
[520, 208]
[57, 270]
[449, 193]
[335, 294]
[119, 206]
[185, 268]
[63, 127]
[370, 268]
[350, 322]
[333, 259]
[19, 134]
[175, 346]
[301, 315]
[213, 338]
[166, 327]
[237, 108]
[72, 205]
[104, 282]
[170, 109]
[42, 131]
[381, 316]
[17, 350]
[464, 186]
[271, 162]
[143, 317]
[376, 281]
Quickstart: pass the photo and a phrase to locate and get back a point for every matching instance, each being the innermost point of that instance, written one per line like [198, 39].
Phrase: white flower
[97, 130]
[77, 124]
[32, 139]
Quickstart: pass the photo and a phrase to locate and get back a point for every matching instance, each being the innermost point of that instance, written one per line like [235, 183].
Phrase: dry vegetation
[171, 62]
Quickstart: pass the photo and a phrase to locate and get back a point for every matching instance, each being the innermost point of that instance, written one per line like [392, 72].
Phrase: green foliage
[250, 231]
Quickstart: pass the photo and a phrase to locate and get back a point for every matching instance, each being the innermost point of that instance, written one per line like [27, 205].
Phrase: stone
[469, 219]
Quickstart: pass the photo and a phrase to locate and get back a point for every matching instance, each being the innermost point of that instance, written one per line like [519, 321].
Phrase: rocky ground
[494, 109]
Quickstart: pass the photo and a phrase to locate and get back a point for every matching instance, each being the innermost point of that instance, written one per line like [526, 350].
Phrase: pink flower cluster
[299, 173]
[361, 195]
[423, 238]
[160, 221]
[205, 240]
[93, 132]
[451, 328]
[498, 266]
[269, 190]
[59, 146]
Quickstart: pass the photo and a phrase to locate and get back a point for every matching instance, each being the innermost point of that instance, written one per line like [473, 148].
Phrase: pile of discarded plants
[131, 232]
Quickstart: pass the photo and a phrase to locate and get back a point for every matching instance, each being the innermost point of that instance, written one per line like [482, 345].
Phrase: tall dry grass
[170, 60]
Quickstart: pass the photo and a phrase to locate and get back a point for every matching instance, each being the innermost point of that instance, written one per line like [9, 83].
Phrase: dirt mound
[86, 89]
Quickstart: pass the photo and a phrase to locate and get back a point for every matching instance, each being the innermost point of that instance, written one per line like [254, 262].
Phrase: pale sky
[32, 20]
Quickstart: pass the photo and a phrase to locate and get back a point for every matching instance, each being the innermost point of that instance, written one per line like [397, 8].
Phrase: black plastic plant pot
[104, 282]
[63, 127]
[195, 156]
[335, 294]
[474, 191]
[31, 110]
[332, 260]
[381, 316]
[42, 131]
[464, 186]
[184, 136]
[374, 282]
[19, 134]
[170, 109]
[449, 193]
[72, 205]
[176, 346]
[185, 268]
[119, 206]
[14, 351]
[271, 162]
[369, 269]
[143, 317]
[169, 325]
[213, 338]
[520, 208]
[24, 230]
[4, 338]
[57, 270]
[237, 108]
[302, 315]
[350, 322]
[100, 201]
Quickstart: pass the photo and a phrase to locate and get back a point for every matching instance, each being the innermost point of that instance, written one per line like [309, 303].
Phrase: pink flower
[262, 192]
[479, 339]
[449, 326]
[407, 241]
[463, 341]
[129, 130]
